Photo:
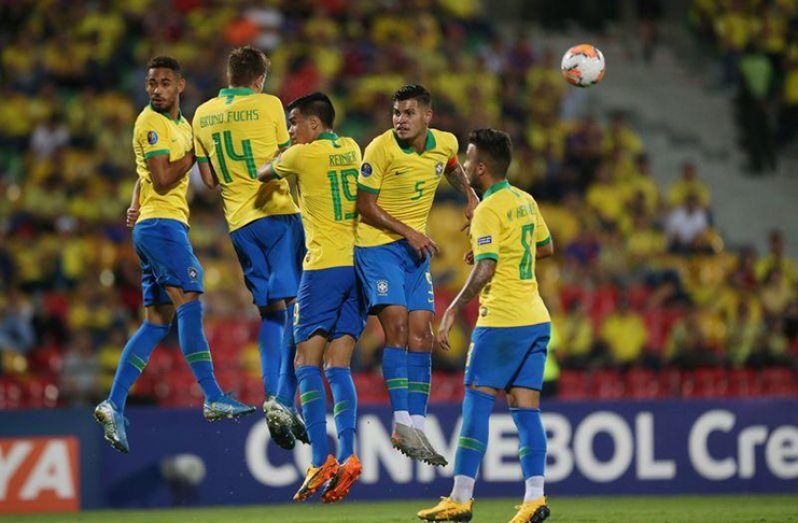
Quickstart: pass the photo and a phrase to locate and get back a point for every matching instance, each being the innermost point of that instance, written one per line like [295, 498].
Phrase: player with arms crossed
[400, 173]
[171, 276]
[234, 133]
[509, 344]
[330, 314]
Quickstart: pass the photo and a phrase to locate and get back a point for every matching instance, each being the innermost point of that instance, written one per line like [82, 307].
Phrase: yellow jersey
[154, 134]
[237, 132]
[404, 179]
[508, 227]
[326, 173]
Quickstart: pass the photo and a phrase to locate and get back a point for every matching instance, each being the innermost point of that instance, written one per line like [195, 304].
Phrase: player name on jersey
[229, 116]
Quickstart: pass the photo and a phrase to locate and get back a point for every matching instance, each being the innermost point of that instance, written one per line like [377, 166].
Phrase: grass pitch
[675, 509]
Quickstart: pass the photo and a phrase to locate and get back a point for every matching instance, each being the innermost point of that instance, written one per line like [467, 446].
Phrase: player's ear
[181, 84]
[428, 115]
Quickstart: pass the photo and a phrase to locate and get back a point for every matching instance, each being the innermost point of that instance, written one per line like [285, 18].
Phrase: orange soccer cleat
[316, 477]
[342, 482]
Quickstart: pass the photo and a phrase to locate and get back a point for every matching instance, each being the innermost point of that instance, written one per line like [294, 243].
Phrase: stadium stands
[645, 303]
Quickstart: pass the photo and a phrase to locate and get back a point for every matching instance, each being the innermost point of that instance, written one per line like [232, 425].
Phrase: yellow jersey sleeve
[375, 164]
[202, 154]
[152, 135]
[289, 162]
[485, 234]
[451, 147]
[542, 234]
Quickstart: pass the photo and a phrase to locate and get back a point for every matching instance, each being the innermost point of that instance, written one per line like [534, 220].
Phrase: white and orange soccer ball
[583, 65]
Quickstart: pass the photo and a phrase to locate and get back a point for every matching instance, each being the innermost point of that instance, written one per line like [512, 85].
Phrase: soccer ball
[583, 65]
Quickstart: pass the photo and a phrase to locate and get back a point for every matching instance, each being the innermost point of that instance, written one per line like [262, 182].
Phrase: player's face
[410, 120]
[300, 127]
[164, 87]
[473, 167]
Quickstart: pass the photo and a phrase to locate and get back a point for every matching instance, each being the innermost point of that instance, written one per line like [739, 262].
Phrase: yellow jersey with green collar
[404, 180]
[326, 173]
[156, 134]
[508, 227]
[238, 132]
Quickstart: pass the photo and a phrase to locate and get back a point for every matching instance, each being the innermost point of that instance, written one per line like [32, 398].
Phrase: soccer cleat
[431, 456]
[342, 482]
[298, 427]
[448, 510]
[113, 423]
[406, 440]
[534, 511]
[280, 422]
[225, 408]
[315, 478]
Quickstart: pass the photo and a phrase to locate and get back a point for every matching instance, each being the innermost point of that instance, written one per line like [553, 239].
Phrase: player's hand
[469, 258]
[131, 216]
[423, 244]
[469, 212]
[442, 336]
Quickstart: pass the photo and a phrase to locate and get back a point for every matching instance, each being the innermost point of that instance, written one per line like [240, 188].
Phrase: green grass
[676, 509]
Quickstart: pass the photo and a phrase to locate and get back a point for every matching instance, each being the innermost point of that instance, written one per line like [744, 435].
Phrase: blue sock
[394, 370]
[419, 375]
[286, 387]
[345, 410]
[195, 348]
[134, 358]
[473, 441]
[313, 398]
[270, 338]
[531, 441]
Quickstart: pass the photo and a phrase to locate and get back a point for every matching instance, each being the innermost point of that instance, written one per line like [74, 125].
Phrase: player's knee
[519, 398]
[420, 341]
[159, 314]
[396, 334]
[302, 359]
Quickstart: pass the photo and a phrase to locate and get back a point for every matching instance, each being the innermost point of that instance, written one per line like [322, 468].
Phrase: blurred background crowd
[757, 46]
[646, 299]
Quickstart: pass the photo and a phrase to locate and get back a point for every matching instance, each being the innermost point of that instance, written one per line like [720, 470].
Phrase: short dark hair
[413, 92]
[245, 64]
[494, 147]
[315, 104]
[165, 62]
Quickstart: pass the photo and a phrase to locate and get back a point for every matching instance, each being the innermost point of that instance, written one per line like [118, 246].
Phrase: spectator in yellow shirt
[686, 185]
[624, 335]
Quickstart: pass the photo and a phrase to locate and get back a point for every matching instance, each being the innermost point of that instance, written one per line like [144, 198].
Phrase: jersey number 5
[229, 151]
[525, 269]
[339, 183]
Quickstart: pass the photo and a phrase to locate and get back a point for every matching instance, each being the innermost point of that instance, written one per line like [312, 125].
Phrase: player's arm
[164, 173]
[208, 175]
[374, 215]
[285, 163]
[545, 251]
[480, 276]
[456, 176]
[132, 214]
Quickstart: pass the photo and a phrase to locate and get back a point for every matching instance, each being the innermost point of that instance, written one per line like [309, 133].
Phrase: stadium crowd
[757, 46]
[642, 289]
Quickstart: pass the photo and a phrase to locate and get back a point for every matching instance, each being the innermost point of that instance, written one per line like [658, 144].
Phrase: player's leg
[313, 398]
[523, 399]
[251, 242]
[339, 375]
[477, 407]
[197, 352]
[421, 306]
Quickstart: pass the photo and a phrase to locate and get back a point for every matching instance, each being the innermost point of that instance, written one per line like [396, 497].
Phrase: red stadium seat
[743, 383]
[779, 382]
[606, 384]
[371, 389]
[572, 385]
[705, 383]
[643, 384]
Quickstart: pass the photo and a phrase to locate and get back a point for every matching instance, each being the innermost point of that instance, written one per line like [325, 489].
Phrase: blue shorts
[270, 251]
[329, 301]
[392, 274]
[507, 357]
[167, 259]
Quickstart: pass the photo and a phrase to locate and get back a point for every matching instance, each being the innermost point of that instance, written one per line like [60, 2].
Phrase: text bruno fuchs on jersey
[248, 115]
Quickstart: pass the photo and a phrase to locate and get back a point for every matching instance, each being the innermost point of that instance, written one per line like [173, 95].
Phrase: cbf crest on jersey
[382, 287]
[152, 137]
[366, 170]
[439, 168]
